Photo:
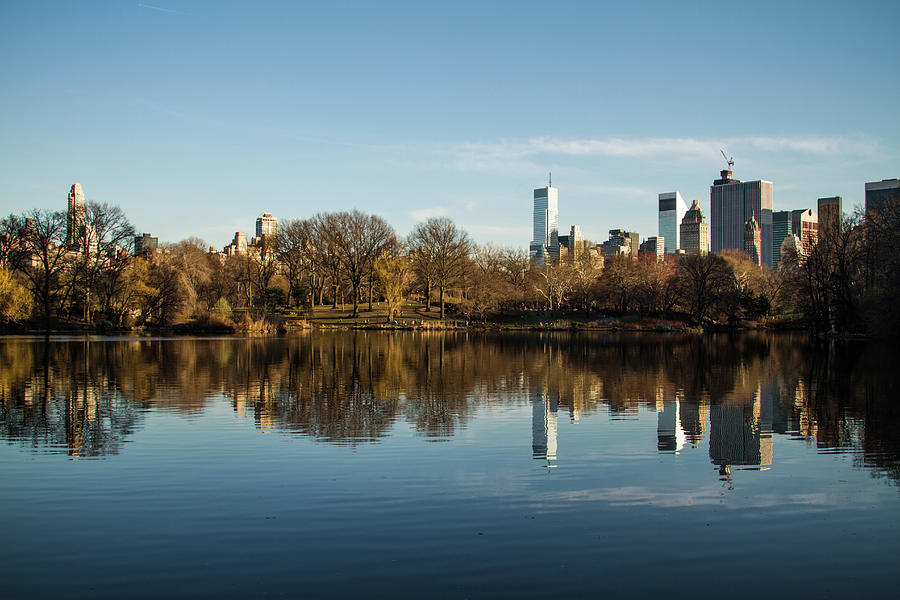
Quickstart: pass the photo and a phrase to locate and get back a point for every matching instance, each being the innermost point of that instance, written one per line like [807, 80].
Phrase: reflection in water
[741, 433]
[85, 396]
[544, 427]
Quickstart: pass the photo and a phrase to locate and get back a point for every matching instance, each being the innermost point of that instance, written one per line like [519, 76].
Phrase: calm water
[407, 465]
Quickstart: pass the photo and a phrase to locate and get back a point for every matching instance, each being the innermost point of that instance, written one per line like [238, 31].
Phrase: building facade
[266, 225]
[238, 245]
[75, 214]
[803, 223]
[752, 240]
[830, 214]
[879, 192]
[731, 204]
[545, 240]
[145, 244]
[628, 238]
[694, 231]
[671, 212]
[653, 246]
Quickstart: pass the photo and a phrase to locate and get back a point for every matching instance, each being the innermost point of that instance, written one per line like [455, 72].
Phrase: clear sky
[195, 117]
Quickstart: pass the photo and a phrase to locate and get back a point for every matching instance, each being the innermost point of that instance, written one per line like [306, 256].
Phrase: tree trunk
[442, 302]
[427, 295]
[370, 291]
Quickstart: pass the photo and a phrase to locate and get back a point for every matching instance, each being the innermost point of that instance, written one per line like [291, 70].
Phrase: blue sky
[197, 116]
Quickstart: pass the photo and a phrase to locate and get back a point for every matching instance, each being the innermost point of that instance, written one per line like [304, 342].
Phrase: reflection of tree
[352, 387]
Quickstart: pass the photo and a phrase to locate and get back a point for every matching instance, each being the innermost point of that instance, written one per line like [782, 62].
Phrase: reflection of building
[544, 427]
[670, 436]
[733, 203]
[671, 212]
[693, 415]
[740, 433]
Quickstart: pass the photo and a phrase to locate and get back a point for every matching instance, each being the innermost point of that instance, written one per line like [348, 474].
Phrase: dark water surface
[411, 465]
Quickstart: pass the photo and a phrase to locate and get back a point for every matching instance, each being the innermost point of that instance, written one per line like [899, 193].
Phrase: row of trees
[848, 280]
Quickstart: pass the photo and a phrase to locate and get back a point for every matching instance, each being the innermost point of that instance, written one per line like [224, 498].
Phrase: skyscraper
[653, 246]
[803, 223]
[752, 240]
[830, 214]
[694, 230]
[731, 204]
[546, 224]
[671, 212]
[75, 214]
[266, 224]
[879, 192]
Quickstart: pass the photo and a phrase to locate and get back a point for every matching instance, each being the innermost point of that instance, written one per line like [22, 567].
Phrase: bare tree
[705, 280]
[38, 251]
[447, 249]
[326, 229]
[105, 244]
[359, 241]
[554, 282]
[294, 249]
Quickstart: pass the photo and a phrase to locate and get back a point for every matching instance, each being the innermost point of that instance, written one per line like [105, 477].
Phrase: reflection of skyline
[740, 433]
[544, 427]
[85, 396]
[670, 435]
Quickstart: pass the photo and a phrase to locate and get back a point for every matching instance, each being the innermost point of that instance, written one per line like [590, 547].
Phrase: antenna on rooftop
[551, 180]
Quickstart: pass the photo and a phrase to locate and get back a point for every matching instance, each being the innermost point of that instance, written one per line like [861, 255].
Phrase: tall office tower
[752, 240]
[266, 224]
[671, 212]
[694, 231]
[803, 223]
[879, 192]
[781, 229]
[75, 215]
[830, 214]
[654, 246]
[546, 224]
[731, 204]
[575, 241]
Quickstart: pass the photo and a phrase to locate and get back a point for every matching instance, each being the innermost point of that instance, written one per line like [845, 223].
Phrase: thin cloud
[424, 214]
[161, 9]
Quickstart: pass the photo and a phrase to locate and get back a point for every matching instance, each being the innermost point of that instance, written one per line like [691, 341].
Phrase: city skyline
[380, 109]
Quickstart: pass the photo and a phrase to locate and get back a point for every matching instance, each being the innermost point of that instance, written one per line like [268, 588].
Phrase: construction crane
[730, 161]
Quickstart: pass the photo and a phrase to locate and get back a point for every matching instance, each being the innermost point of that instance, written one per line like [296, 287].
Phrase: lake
[452, 465]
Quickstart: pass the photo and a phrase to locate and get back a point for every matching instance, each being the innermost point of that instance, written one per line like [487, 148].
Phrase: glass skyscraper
[671, 212]
[731, 204]
[546, 223]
